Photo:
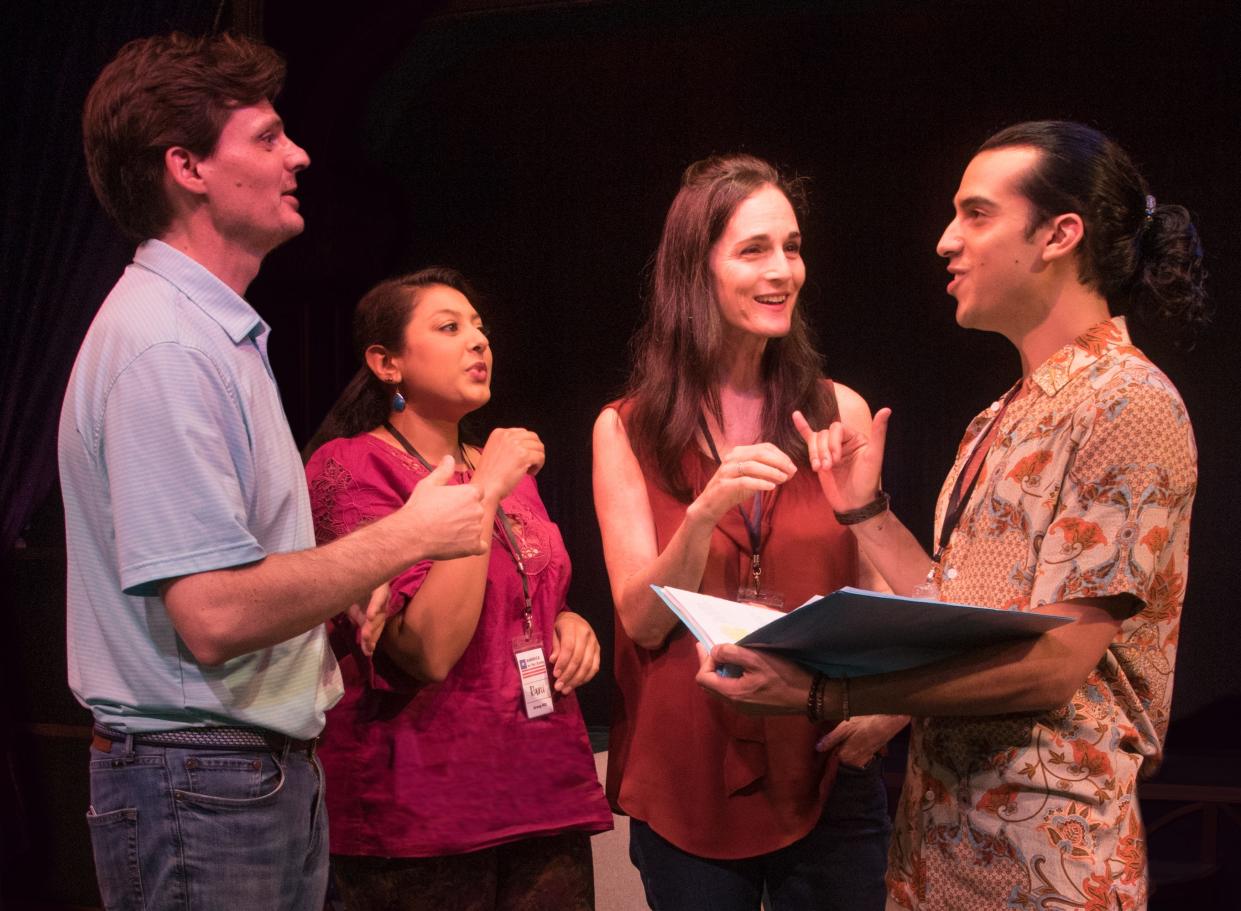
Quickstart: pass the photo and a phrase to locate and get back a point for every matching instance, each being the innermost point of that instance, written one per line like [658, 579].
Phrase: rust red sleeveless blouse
[710, 780]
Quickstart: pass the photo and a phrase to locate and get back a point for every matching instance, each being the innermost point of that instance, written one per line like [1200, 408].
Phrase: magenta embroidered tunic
[419, 770]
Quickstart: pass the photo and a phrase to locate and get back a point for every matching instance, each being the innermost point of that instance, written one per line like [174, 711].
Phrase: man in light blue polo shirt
[196, 597]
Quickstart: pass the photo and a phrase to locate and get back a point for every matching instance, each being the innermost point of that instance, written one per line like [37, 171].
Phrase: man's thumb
[442, 473]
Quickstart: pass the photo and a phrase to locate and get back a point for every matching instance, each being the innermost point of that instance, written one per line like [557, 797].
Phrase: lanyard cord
[510, 539]
[753, 520]
[962, 490]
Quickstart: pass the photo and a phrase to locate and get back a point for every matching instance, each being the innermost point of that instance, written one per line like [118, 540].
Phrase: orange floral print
[1087, 494]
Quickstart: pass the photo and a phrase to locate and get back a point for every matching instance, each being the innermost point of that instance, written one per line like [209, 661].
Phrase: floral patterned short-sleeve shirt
[1085, 493]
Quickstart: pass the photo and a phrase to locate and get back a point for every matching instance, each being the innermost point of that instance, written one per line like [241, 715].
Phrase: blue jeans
[837, 866]
[203, 830]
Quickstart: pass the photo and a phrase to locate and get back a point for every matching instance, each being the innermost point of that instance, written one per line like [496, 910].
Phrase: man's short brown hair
[160, 92]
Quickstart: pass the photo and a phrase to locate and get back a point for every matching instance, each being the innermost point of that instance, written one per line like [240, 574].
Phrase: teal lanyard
[753, 520]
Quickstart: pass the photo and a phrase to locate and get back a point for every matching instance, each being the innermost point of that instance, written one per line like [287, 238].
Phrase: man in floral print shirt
[1024, 759]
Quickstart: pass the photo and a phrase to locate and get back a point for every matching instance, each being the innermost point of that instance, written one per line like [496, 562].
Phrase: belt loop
[128, 749]
[314, 745]
[284, 754]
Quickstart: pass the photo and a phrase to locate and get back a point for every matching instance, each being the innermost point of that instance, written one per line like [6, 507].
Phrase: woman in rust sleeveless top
[697, 486]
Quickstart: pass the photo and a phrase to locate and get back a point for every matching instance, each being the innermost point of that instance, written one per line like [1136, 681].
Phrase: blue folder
[852, 632]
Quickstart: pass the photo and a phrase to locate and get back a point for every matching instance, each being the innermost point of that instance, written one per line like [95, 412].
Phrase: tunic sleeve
[350, 487]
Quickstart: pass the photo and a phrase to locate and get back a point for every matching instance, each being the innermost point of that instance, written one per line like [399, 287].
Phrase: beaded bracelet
[814, 698]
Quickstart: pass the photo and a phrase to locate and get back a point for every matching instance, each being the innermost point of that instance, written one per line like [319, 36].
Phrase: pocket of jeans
[230, 776]
[231, 780]
[114, 844]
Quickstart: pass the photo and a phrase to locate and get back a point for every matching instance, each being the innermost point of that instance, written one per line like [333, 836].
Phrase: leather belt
[211, 738]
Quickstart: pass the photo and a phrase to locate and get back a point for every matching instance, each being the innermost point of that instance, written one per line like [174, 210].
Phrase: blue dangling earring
[398, 401]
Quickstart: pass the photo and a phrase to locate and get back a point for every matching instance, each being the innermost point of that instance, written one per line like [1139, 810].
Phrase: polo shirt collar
[217, 300]
[1056, 372]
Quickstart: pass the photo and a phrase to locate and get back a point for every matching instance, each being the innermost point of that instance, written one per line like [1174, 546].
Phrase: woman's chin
[476, 398]
[775, 325]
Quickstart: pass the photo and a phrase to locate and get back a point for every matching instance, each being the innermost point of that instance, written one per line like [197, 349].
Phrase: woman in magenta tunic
[459, 773]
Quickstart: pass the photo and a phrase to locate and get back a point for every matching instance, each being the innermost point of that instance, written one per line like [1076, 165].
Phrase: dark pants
[554, 873]
[839, 864]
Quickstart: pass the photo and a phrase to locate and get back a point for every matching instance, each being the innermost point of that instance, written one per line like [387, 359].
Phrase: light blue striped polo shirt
[176, 458]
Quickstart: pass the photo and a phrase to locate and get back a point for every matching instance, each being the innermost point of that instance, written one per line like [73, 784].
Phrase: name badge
[532, 669]
[748, 594]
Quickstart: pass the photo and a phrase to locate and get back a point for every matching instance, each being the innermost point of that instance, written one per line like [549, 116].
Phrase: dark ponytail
[1168, 285]
[1147, 261]
[380, 319]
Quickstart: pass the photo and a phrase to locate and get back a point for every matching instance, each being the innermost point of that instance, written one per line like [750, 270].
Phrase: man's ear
[1067, 232]
[181, 166]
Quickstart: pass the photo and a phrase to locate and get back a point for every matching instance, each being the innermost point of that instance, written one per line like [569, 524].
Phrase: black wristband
[870, 510]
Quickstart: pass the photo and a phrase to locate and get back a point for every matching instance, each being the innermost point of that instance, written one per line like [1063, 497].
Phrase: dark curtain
[59, 255]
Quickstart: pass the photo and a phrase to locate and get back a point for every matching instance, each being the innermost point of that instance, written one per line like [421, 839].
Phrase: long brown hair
[380, 319]
[677, 350]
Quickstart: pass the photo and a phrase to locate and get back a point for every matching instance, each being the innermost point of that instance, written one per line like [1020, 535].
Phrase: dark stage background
[536, 147]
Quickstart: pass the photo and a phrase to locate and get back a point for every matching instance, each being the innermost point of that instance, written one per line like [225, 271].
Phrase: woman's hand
[510, 454]
[575, 652]
[745, 471]
[848, 462]
[370, 618]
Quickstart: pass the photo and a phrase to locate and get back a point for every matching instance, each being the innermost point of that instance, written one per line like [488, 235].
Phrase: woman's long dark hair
[1150, 262]
[677, 351]
[380, 319]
